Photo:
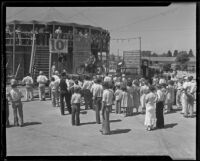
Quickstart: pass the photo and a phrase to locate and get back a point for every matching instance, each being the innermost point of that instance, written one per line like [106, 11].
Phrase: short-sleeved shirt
[15, 95]
[97, 90]
[118, 94]
[76, 98]
[27, 80]
[107, 97]
[42, 79]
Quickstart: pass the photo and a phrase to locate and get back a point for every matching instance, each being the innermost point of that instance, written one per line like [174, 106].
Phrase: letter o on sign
[60, 44]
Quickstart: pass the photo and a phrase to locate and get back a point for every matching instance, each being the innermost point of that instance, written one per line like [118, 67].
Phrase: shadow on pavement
[172, 111]
[169, 125]
[115, 120]
[87, 123]
[119, 131]
[31, 123]
[83, 112]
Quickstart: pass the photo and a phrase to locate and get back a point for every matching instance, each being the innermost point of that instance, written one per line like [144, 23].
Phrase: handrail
[32, 54]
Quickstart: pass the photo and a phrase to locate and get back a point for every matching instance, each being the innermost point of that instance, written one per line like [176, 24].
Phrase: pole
[14, 50]
[18, 69]
[50, 57]
[140, 71]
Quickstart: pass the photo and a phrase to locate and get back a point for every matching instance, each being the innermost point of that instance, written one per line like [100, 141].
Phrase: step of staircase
[42, 59]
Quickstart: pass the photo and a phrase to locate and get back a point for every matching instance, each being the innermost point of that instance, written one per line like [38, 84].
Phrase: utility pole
[140, 71]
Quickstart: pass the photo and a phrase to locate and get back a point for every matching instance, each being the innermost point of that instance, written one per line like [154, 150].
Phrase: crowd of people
[105, 94]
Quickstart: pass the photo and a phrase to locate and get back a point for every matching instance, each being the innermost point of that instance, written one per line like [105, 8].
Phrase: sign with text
[58, 45]
[132, 59]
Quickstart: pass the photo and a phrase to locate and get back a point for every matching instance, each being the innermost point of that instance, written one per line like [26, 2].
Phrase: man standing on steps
[42, 80]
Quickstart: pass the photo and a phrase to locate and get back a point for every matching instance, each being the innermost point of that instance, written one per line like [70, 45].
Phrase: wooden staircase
[41, 60]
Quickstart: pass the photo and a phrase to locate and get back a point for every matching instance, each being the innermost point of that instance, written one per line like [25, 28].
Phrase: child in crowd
[124, 100]
[15, 96]
[54, 85]
[117, 95]
[75, 102]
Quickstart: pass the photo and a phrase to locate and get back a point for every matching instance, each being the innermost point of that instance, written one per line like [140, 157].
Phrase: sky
[160, 28]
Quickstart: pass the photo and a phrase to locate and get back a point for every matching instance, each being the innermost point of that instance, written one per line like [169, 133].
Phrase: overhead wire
[144, 19]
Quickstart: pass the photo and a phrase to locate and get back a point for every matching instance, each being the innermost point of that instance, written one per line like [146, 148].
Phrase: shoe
[101, 130]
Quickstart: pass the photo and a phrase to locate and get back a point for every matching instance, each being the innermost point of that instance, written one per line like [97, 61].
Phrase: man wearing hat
[42, 80]
[14, 96]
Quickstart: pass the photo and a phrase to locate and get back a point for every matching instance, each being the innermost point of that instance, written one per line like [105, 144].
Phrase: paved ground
[48, 133]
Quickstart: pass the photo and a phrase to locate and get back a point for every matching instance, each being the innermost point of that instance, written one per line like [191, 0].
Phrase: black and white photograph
[101, 81]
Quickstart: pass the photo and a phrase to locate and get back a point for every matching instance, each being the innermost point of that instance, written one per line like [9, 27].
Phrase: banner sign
[132, 59]
[58, 45]
[82, 43]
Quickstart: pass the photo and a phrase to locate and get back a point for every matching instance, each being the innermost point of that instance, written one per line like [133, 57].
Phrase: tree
[166, 67]
[190, 54]
[182, 59]
[169, 53]
[175, 53]
[154, 54]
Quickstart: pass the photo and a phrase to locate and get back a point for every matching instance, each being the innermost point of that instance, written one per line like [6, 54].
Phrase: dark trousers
[75, 114]
[105, 122]
[66, 96]
[159, 114]
[88, 98]
[98, 103]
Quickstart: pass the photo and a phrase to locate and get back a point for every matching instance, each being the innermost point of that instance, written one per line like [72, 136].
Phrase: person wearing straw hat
[14, 97]
[42, 80]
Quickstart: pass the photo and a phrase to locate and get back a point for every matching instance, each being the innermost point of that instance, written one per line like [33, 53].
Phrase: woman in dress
[150, 117]
[143, 92]
[130, 98]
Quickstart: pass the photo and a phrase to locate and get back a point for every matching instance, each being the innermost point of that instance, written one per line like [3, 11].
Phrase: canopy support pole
[13, 50]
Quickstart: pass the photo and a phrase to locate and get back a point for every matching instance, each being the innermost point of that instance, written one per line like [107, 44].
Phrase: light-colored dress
[143, 91]
[124, 99]
[150, 117]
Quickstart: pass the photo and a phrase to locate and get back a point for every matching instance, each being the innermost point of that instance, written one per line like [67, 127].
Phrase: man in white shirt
[97, 98]
[58, 32]
[42, 80]
[28, 81]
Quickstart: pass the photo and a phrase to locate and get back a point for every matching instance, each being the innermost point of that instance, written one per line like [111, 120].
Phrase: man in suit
[64, 94]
